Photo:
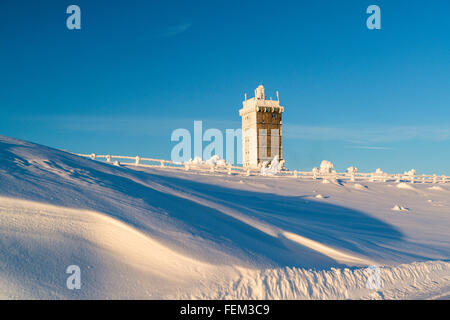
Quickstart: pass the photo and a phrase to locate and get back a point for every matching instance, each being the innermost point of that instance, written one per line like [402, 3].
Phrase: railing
[236, 170]
[369, 177]
[160, 163]
[137, 160]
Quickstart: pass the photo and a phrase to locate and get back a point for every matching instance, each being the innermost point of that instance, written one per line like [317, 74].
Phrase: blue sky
[137, 70]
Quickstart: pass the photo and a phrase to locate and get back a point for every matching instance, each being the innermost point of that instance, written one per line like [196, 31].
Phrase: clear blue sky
[137, 70]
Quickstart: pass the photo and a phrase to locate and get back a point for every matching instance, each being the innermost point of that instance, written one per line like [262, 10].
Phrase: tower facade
[261, 129]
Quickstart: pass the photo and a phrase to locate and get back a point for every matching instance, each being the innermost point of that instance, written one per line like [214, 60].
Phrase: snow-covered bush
[326, 167]
[216, 161]
[281, 166]
[196, 160]
[352, 169]
[272, 169]
[213, 161]
[221, 163]
[263, 164]
[410, 173]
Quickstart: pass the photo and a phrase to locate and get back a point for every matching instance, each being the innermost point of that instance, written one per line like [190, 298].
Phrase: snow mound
[437, 188]
[405, 186]
[399, 208]
[358, 186]
[52, 238]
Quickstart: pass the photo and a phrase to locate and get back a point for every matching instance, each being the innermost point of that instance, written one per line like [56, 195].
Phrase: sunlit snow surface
[161, 233]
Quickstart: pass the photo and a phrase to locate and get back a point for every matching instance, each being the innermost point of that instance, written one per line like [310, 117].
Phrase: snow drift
[163, 233]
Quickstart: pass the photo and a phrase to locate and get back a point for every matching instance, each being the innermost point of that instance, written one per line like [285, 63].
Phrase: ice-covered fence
[367, 177]
[161, 163]
[316, 174]
[136, 161]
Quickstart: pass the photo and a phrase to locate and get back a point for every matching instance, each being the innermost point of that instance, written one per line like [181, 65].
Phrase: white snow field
[170, 234]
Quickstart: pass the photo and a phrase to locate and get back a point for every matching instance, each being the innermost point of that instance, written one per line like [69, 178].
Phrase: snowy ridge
[111, 239]
[105, 247]
[152, 233]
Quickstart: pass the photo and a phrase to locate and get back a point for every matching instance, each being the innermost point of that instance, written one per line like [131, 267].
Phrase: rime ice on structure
[261, 129]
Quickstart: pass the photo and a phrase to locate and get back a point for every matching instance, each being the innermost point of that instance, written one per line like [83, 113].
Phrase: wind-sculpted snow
[408, 281]
[165, 233]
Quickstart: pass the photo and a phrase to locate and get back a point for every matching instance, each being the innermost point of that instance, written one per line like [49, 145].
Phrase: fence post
[108, 158]
[93, 156]
[434, 178]
[295, 174]
[248, 172]
[229, 169]
[137, 160]
[162, 163]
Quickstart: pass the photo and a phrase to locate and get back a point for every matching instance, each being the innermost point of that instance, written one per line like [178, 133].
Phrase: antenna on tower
[245, 97]
[278, 96]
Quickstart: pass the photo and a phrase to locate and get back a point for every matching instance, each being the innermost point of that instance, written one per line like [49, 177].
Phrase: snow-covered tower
[261, 129]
